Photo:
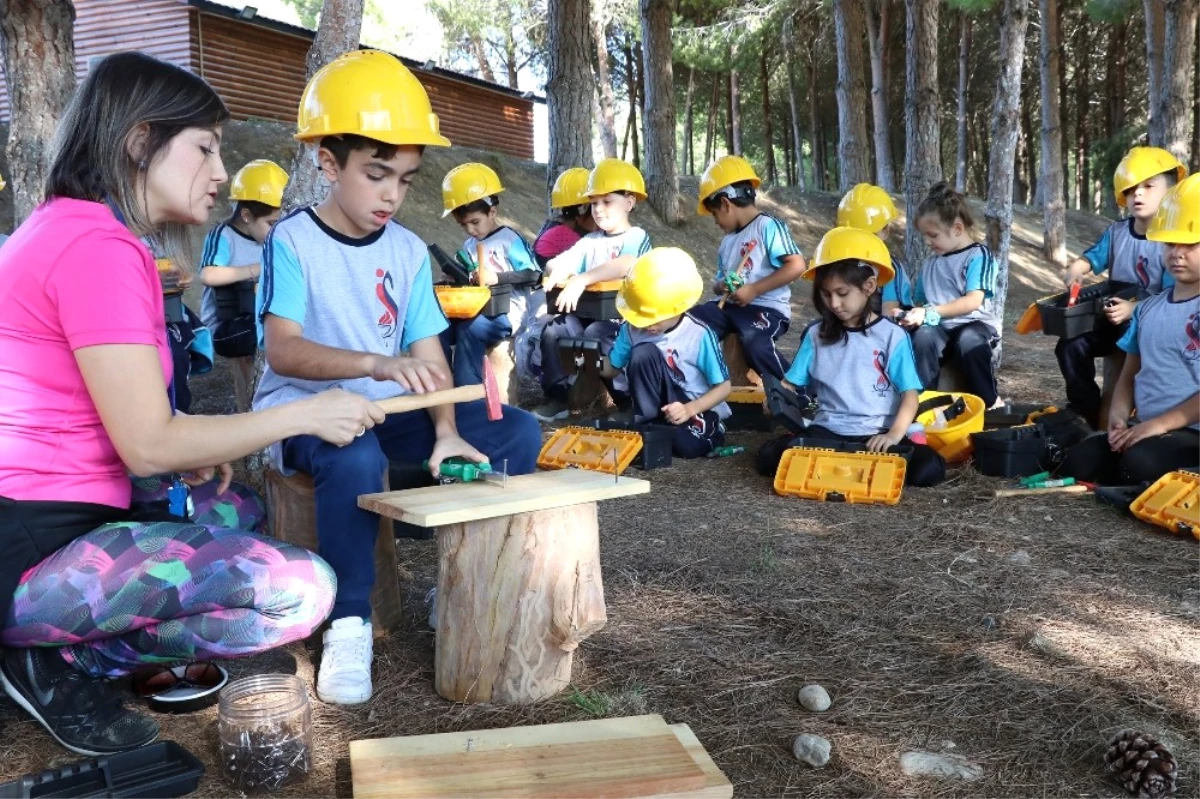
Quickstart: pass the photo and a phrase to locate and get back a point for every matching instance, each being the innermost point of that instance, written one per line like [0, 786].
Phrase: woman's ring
[361, 430]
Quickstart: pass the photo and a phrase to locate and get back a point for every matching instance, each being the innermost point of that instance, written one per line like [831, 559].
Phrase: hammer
[487, 391]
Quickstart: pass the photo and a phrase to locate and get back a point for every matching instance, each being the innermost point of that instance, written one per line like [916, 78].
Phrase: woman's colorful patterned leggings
[127, 594]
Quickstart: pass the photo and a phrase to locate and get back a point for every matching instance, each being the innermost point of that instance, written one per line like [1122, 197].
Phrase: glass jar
[265, 726]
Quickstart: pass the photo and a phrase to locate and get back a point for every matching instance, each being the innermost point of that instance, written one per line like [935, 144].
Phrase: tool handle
[415, 402]
[1022, 492]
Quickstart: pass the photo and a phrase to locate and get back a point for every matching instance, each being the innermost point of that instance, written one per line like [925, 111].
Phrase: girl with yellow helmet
[573, 219]
[857, 363]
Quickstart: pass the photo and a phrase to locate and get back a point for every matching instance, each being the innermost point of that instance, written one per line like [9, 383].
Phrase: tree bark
[999, 209]
[631, 67]
[607, 118]
[1032, 184]
[710, 124]
[772, 169]
[1082, 120]
[1179, 43]
[964, 56]
[662, 181]
[853, 158]
[1054, 214]
[568, 88]
[1196, 104]
[735, 113]
[1155, 33]
[39, 58]
[797, 141]
[877, 44]
[814, 123]
[688, 157]
[922, 140]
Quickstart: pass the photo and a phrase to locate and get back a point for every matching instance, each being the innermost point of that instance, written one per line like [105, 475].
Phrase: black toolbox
[656, 442]
[1088, 311]
[163, 769]
[1012, 414]
[597, 306]
[234, 300]
[1010, 452]
[499, 303]
[903, 450]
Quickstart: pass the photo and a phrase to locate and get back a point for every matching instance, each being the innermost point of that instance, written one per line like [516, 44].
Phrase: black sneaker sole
[16, 695]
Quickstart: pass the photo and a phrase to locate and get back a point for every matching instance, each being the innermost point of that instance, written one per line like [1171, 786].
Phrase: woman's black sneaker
[83, 713]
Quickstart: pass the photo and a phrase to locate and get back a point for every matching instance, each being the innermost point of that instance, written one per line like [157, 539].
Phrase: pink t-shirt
[71, 276]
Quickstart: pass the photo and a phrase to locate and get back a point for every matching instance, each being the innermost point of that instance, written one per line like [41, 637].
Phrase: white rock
[814, 698]
[812, 749]
[928, 764]
[1020, 558]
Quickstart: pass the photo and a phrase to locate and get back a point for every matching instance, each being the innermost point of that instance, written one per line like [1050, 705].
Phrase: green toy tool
[461, 470]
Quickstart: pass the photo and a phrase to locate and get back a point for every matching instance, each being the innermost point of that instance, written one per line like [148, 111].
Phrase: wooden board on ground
[716, 784]
[465, 502]
[624, 758]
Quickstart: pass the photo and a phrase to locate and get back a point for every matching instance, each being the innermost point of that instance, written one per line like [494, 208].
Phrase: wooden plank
[716, 784]
[622, 758]
[465, 502]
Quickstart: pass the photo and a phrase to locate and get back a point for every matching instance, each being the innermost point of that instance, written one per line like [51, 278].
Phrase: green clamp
[733, 281]
[725, 452]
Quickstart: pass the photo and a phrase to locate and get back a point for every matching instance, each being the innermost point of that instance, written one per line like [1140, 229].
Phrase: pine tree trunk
[1179, 43]
[1062, 96]
[1155, 34]
[1082, 119]
[39, 53]
[1196, 105]
[1031, 163]
[1114, 113]
[853, 158]
[607, 118]
[569, 88]
[964, 57]
[772, 176]
[735, 113]
[662, 181]
[481, 59]
[877, 44]
[814, 124]
[999, 209]
[635, 101]
[714, 110]
[793, 109]
[922, 136]
[1054, 214]
[687, 163]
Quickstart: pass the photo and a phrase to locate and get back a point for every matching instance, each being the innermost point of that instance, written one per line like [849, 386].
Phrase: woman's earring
[142, 165]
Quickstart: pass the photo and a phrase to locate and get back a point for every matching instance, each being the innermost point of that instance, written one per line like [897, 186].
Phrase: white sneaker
[552, 411]
[345, 674]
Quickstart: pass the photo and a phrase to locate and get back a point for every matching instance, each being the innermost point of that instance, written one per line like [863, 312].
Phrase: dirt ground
[1022, 633]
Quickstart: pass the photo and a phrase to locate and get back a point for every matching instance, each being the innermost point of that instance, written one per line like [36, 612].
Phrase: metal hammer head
[491, 393]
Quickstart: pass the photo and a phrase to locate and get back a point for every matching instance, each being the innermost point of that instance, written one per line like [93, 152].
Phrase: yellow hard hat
[259, 181]
[467, 183]
[371, 94]
[1143, 163]
[725, 171]
[1178, 217]
[2, 183]
[866, 207]
[662, 283]
[613, 174]
[570, 188]
[850, 243]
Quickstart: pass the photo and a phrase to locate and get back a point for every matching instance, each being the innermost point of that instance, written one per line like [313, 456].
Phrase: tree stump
[516, 596]
[292, 517]
[740, 373]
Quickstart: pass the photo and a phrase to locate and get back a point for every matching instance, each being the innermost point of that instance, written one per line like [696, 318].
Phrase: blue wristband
[932, 317]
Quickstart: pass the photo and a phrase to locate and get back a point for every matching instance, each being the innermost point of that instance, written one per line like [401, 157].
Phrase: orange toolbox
[860, 478]
[609, 451]
[1172, 502]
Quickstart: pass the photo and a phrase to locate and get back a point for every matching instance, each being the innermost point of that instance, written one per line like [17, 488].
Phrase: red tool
[1074, 296]
[488, 391]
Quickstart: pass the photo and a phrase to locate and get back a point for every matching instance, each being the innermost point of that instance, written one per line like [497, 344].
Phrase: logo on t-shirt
[673, 359]
[882, 382]
[1192, 350]
[391, 311]
[1142, 270]
[744, 259]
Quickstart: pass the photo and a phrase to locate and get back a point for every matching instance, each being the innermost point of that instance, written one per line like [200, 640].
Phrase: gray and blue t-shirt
[857, 381]
[598, 248]
[224, 245]
[755, 252]
[1129, 257]
[373, 294]
[1165, 333]
[946, 278]
[900, 288]
[505, 250]
[691, 351]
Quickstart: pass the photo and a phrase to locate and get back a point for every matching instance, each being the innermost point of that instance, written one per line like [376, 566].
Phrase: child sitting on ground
[870, 208]
[1160, 380]
[1142, 179]
[957, 319]
[469, 192]
[573, 220]
[858, 364]
[756, 264]
[231, 263]
[676, 373]
[614, 188]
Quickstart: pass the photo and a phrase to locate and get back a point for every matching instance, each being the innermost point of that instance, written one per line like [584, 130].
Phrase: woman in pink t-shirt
[91, 587]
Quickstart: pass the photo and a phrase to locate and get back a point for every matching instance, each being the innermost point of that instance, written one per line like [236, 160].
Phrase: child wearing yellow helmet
[756, 264]
[677, 375]
[231, 262]
[857, 363]
[614, 188]
[1132, 261]
[1161, 374]
[347, 300]
[470, 193]
[868, 207]
[573, 219]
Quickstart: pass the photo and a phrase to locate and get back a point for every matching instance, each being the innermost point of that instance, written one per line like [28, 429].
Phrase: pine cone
[1143, 765]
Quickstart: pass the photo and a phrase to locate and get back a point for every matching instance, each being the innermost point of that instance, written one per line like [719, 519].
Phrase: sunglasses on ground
[158, 680]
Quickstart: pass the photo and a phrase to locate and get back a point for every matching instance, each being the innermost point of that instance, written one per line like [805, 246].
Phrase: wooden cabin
[257, 66]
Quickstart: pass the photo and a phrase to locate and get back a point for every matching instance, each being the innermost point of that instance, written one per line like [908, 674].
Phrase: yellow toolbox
[609, 451]
[462, 302]
[953, 439]
[861, 478]
[1173, 503]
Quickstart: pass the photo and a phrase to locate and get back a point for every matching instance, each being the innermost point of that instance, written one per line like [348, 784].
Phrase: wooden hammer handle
[1023, 492]
[450, 396]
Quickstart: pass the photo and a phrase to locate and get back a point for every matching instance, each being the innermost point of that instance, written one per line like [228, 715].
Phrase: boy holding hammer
[347, 300]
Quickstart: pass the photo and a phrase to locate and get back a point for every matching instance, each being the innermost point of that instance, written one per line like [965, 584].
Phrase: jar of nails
[265, 726]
